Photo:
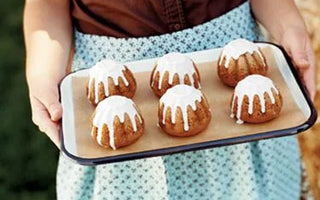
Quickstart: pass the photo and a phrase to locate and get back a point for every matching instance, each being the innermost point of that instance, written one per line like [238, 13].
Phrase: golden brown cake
[238, 59]
[109, 78]
[116, 122]
[183, 111]
[173, 69]
[255, 100]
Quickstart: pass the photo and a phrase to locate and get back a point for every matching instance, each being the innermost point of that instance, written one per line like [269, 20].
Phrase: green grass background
[28, 159]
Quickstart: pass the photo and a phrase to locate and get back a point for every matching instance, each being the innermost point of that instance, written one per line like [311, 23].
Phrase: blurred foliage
[28, 159]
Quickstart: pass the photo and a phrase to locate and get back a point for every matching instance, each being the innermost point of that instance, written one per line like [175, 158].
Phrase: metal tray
[298, 91]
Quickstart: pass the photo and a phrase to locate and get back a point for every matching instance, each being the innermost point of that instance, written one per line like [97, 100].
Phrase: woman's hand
[45, 105]
[297, 43]
[283, 20]
[48, 38]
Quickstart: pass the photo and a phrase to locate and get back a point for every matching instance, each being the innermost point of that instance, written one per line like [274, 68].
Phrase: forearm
[48, 36]
[277, 16]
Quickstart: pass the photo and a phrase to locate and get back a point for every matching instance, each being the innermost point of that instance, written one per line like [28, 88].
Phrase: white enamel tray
[70, 147]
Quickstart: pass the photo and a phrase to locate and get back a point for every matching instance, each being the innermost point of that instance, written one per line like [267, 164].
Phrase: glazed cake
[183, 111]
[173, 69]
[109, 78]
[238, 59]
[255, 100]
[116, 122]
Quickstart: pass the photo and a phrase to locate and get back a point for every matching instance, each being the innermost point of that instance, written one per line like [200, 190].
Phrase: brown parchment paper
[220, 127]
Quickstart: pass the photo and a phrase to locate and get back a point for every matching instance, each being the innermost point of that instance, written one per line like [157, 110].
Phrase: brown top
[137, 18]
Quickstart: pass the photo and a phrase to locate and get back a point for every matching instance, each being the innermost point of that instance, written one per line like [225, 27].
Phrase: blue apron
[268, 169]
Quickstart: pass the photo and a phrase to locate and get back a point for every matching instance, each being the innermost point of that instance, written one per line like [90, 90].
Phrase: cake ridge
[180, 96]
[101, 72]
[177, 64]
[251, 86]
[110, 108]
[238, 47]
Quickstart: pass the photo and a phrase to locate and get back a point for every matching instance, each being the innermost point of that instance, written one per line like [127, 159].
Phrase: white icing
[101, 72]
[108, 109]
[250, 86]
[180, 96]
[236, 48]
[174, 63]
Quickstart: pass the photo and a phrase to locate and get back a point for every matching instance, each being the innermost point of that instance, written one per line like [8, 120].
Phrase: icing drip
[102, 71]
[236, 48]
[108, 109]
[250, 86]
[180, 96]
[174, 63]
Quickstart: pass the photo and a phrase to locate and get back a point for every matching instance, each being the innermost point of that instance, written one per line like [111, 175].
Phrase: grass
[28, 159]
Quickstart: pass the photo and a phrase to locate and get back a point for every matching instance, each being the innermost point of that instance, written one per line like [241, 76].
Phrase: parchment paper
[220, 127]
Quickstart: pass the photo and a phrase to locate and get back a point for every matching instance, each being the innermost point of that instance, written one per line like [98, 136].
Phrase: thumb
[51, 101]
[300, 58]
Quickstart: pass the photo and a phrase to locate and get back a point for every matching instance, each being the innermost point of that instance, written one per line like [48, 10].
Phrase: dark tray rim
[209, 144]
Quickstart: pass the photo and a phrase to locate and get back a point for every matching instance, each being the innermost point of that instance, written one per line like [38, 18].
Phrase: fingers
[51, 129]
[296, 42]
[50, 99]
[41, 118]
[300, 60]
[298, 46]
[299, 54]
[310, 74]
[310, 84]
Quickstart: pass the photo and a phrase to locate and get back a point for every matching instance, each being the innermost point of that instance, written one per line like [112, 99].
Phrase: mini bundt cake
[109, 78]
[116, 122]
[173, 69]
[255, 100]
[238, 59]
[183, 111]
